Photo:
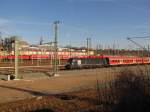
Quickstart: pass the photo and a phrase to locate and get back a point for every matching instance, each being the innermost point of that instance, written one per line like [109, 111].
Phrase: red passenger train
[25, 57]
[34, 56]
[100, 61]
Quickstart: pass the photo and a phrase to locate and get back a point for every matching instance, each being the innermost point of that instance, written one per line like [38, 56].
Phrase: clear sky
[105, 21]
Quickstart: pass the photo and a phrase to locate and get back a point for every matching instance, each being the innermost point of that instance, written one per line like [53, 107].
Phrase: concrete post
[56, 49]
[16, 59]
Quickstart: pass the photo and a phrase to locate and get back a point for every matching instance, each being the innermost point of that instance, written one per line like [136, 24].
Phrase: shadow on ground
[32, 92]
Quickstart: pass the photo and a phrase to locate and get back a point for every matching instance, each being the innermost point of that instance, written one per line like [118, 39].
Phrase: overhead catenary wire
[136, 43]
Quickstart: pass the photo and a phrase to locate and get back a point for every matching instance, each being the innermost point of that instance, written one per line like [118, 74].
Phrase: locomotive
[104, 61]
[87, 62]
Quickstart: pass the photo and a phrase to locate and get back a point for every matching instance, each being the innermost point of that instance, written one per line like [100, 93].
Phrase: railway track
[23, 69]
[48, 68]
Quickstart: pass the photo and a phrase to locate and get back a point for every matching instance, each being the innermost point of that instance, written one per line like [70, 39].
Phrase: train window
[70, 61]
[74, 62]
[98, 61]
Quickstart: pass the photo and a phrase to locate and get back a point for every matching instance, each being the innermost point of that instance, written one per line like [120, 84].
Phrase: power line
[139, 45]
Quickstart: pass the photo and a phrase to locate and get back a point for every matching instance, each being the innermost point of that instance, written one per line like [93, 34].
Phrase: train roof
[82, 57]
[112, 57]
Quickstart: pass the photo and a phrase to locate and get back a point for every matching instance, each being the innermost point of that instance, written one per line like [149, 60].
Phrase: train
[104, 61]
[79, 62]
[29, 57]
[25, 57]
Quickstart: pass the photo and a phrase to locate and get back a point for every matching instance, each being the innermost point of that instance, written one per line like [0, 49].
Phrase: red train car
[127, 60]
[39, 56]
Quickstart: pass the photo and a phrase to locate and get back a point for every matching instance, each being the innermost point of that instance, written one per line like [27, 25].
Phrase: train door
[79, 63]
[106, 61]
[74, 63]
[121, 61]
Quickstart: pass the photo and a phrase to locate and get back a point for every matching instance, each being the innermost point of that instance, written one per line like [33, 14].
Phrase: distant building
[23, 44]
[47, 46]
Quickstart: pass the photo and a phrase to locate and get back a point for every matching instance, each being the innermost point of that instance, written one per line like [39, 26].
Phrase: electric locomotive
[77, 63]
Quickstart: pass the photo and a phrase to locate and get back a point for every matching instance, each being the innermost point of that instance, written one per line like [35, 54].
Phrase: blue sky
[105, 21]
